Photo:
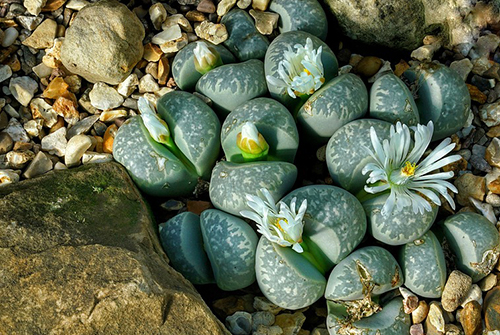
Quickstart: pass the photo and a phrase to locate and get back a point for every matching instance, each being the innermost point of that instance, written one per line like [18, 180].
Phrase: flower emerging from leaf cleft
[278, 222]
[157, 128]
[252, 144]
[403, 172]
[300, 72]
[205, 58]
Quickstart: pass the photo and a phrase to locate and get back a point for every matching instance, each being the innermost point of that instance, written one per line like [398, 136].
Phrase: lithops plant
[391, 320]
[397, 227]
[392, 101]
[367, 271]
[244, 40]
[273, 122]
[228, 86]
[297, 64]
[214, 247]
[336, 103]
[165, 163]
[450, 111]
[304, 15]
[296, 248]
[345, 154]
[184, 68]
[231, 182]
[475, 242]
[424, 267]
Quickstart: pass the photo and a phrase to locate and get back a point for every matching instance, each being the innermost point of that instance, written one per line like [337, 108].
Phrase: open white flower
[205, 58]
[301, 72]
[410, 180]
[251, 143]
[157, 128]
[283, 226]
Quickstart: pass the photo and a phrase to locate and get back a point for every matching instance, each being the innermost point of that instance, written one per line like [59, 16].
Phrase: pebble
[195, 16]
[417, 329]
[263, 304]
[148, 84]
[492, 152]
[435, 318]
[104, 97]
[6, 142]
[55, 143]
[225, 6]
[260, 4]
[18, 159]
[480, 163]
[425, 53]
[23, 89]
[420, 313]
[240, 323]
[75, 149]
[469, 185]
[67, 108]
[482, 83]
[180, 20]
[42, 71]
[9, 37]
[111, 115]
[492, 309]
[368, 66]
[265, 22]
[455, 290]
[16, 131]
[486, 44]
[243, 4]
[82, 126]
[5, 72]
[451, 329]
[163, 70]
[476, 95]
[90, 157]
[320, 331]
[43, 36]
[29, 22]
[265, 330]
[74, 82]
[493, 199]
[262, 318]
[8, 176]
[157, 14]
[52, 57]
[4, 120]
[485, 209]
[38, 166]
[488, 282]
[60, 166]
[34, 7]
[215, 33]
[290, 323]
[109, 136]
[206, 6]
[128, 86]
[42, 110]
[481, 65]
[152, 53]
[175, 45]
[474, 294]
[11, 111]
[169, 34]
[33, 127]
[470, 318]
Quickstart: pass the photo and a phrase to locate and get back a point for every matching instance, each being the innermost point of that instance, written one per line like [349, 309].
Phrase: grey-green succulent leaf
[183, 243]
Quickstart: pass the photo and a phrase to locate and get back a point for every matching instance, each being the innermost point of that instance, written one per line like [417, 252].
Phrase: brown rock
[198, 206]
[69, 266]
[401, 67]
[14, 63]
[152, 52]
[108, 138]
[53, 5]
[493, 153]
[417, 329]
[195, 16]
[456, 288]
[206, 6]
[368, 66]
[290, 323]
[494, 131]
[469, 185]
[476, 94]
[57, 88]
[67, 109]
[491, 307]
[232, 304]
[163, 70]
[43, 36]
[470, 318]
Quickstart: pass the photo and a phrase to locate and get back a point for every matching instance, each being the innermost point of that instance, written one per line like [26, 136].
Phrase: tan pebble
[98, 144]
[198, 206]
[195, 16]
[39, 165]
[18, 159]
[175, 45]
[53, 5]
[368, 66]
[75, 83]
[14, 63]
[57, 88]
[476, 95]
[128, 86]
[456, 289]
[60, 166]
[109, 136]
[33, 127]
[180, 20]
[55, 143]
[260, 4]
[417, 329]
[67, 109]
[355, 59]
[111, 115]
[163, 70]
[263, 304]
[94, 157]
[206, 6]
[40, 109]
[410, 300]
[290, 323]
[75, 149]
[436, 317]
[8, 176]
[152, 52]
[215, 33]
[488, 282]
[470, 318]
[52, 57]
[469, 185]
[225, 6]
[493, 152]
[157, 14]
[152, 69]
[22, 146]
[494, 131]
[451, 329]
[243, 4]
[265, 22]
[58, 125]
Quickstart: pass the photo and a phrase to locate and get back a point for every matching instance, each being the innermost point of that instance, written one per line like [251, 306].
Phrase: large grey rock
[103, 43]
[80, 255]
[403, 24]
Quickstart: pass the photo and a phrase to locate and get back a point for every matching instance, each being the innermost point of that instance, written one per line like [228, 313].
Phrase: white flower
[300, 72]
[400, 170]
[283, 226]
[251, 142]
[157, 128]
[205, 59]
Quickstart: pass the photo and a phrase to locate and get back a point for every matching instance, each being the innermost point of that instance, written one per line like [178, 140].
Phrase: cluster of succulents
[388, 187]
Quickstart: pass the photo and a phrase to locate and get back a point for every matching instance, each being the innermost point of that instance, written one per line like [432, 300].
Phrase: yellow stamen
[409, 169]
[322, 80]
[277, 223]
[307, 71]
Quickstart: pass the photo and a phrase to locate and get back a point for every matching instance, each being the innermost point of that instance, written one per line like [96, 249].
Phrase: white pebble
[55, 143]
[75, 149]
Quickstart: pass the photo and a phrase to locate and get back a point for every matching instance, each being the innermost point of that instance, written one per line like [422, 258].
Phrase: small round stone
[470, 318]
[75, 149]
[456, 288]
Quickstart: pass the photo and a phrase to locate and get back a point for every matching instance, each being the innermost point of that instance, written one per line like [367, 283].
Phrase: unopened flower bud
[251, 143]
[205, 58]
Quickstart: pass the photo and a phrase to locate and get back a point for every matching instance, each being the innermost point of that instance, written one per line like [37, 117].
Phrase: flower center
[278, 223]
[409, 169]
